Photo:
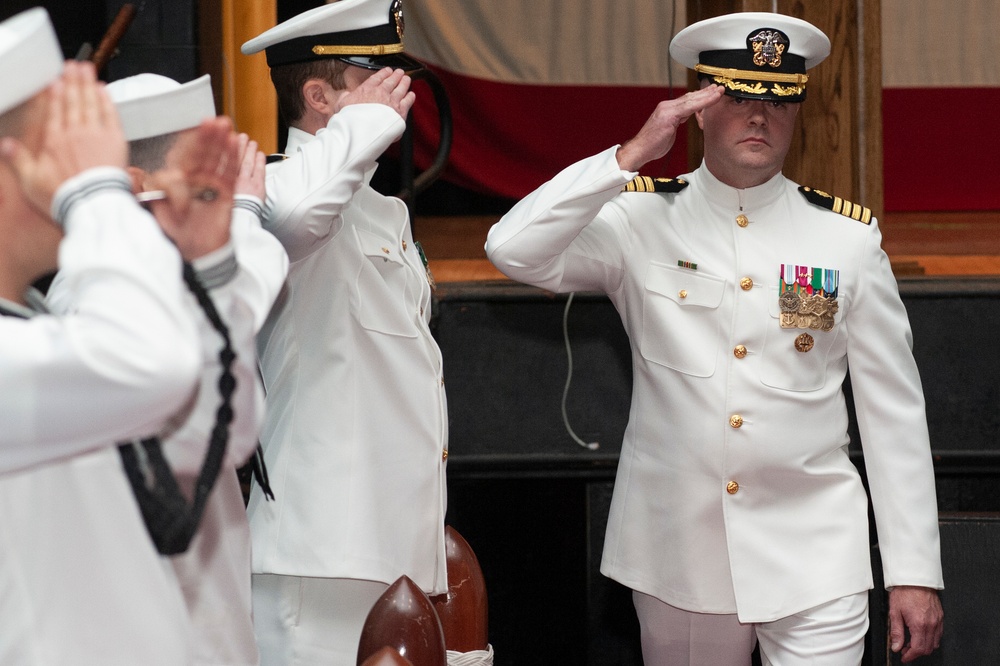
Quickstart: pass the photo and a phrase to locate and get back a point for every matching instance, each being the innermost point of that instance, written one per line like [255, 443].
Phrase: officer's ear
[319, 96]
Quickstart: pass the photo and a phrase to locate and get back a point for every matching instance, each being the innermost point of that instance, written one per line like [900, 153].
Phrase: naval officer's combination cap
[152, 105]
[364, 33]
[754, 55]
[30, 57]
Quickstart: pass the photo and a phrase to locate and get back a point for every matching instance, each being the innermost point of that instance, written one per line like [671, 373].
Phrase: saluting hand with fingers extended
[658, 134]
[81, 131]
[390, 87]
[199, 182]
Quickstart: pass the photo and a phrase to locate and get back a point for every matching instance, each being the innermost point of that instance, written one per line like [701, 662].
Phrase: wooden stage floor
[931, 244]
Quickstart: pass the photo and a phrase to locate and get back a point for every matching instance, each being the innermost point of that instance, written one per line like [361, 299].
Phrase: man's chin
[756, 159]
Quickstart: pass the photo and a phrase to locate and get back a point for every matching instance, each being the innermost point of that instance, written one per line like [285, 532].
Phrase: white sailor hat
[364, 33]
[756, 55]
[152, 105]
[30, 57]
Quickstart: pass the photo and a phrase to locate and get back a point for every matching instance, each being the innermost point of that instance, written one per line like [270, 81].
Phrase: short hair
[150, 154]
[289, 79]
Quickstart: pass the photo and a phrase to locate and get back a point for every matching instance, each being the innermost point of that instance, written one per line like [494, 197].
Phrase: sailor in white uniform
[242, 267]
[80, 580]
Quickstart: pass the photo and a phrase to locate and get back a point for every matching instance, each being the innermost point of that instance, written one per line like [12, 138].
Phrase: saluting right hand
[390, 87]
[81, 131]
[657, 136]
[199, 187]
[252, 168]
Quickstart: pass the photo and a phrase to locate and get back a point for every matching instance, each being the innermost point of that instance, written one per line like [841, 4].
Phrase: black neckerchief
[170, 520]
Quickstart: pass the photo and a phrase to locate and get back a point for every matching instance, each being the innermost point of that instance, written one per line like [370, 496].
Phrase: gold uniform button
[732, 487]
[683, 293]
[736, 421]
[746, 284]
[740, 351]
[385, 250]
[742, 220]
[404, 246]
[444, 455]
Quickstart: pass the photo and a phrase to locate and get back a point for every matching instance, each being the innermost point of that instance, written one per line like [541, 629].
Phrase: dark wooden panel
[506, 366]
[970, 550]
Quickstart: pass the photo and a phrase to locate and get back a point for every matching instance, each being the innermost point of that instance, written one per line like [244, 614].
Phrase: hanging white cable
[592, 446]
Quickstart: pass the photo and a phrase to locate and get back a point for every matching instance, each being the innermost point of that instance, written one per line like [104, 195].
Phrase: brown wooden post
[242, 83]
[838, 142]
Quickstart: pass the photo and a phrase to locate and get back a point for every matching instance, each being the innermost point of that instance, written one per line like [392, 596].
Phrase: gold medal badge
[808, 297]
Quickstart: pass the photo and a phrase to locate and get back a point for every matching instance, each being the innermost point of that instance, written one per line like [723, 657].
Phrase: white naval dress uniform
[242, 278]
[762, 515]
[355, 436]
[80, 580]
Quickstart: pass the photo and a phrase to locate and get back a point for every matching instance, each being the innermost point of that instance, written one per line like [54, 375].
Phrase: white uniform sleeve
[889, 403]
[243, 301]
[307, 192]
[259, 270]
[558, 237]
[123, 359]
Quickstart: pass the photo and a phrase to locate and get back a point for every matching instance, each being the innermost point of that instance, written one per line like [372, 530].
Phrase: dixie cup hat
[152, 105]
[30, 57]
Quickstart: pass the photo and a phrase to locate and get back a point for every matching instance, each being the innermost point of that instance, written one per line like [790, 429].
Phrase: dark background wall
[162, 39]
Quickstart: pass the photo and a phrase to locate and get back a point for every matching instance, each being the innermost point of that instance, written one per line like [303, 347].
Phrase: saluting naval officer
[737, 516]
[356, 431]
[80, 580]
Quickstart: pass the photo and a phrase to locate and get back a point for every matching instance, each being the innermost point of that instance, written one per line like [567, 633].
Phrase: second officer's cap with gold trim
[364, 33]
[754, 55]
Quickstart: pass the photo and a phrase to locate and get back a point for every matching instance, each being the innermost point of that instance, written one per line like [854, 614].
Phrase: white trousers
[305, 621]
[831, 634]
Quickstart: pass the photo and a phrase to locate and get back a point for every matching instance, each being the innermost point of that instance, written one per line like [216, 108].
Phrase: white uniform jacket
[355, 437]
[734, 491]
[80, 580]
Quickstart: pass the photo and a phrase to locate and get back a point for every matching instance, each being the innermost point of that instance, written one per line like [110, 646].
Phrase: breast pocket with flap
[796, 359]
[380, 300]
[680, 319]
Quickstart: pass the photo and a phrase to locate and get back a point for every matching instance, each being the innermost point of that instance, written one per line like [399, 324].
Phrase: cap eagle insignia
[767, 46]
[396, 14]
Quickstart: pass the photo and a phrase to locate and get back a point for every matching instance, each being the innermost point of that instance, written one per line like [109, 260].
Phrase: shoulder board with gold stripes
[647, 184]
[275, 157]
[837, 205]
